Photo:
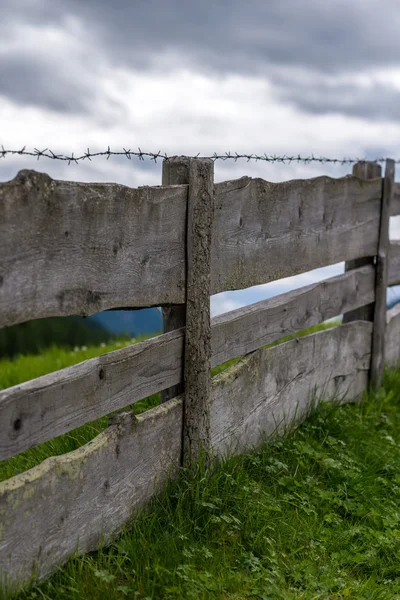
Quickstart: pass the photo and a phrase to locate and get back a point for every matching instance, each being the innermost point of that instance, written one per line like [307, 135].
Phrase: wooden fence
[74, 248]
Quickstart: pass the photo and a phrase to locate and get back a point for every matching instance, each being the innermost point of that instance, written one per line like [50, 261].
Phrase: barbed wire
[286, 159]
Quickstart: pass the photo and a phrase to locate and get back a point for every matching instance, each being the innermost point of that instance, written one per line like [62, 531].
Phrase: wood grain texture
[363, 170]
[265, 231]
[79, 248]
[271, 387]
[394, 263]
[78, 500]
[197, 365]
[392, 337]
[245, 329]
[366, 169]
[175, 171]
[381, 282]
[41, 409]
[395, 208]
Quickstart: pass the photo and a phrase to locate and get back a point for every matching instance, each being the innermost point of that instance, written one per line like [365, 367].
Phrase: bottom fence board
[274, 385]
[72, 502]
[392, 338]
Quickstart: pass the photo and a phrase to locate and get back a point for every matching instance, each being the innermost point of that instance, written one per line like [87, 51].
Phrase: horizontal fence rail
[266, 231]
[46, 407]
[278, 383]
[79, 248]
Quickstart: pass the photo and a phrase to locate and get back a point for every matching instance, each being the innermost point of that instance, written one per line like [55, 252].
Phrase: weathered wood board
[392, 338]
[79, 248]
[76, 501]
[245, 329]
[366, 170]
[266, 231]
[381, 281]
[197, 365]
[175, 171]
[43, 408]
[395, 209]
[394, 263]
[270, 387]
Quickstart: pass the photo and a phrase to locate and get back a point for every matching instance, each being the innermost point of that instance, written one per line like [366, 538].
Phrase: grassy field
[314, 515]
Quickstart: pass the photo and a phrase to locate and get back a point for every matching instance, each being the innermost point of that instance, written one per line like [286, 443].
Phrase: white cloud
[181, 111]
[227, 301]
[222, 303]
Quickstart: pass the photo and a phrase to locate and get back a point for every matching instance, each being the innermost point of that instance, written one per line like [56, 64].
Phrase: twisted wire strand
[285, 159]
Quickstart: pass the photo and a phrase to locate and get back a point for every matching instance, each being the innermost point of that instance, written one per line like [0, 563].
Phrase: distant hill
[393, 296]
[393, 303]
[130, 322]
[34, 336]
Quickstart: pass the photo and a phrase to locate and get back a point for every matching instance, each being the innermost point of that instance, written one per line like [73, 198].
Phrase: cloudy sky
[254, 76]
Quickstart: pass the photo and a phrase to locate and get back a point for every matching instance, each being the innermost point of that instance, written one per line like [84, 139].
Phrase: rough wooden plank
[395, 208]
[392, 337]
[197, 365]
[270, 387]
[245, 329]
[80, 248]
[175, 171]
[363, 170]
[382, 273]
[394, 263]
[41, 409]
[70, 502]
[265, 231]
[366, 169]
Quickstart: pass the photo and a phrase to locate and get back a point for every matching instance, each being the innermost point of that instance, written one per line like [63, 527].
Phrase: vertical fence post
[376, 312]
[197, 363]
[363, 170]
[382, 267]
[175, 171]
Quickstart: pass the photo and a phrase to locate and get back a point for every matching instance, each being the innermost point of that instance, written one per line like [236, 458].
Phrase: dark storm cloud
[24, 80]
[246, 36]
[375, 102]
[252, 37]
